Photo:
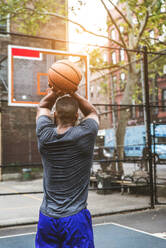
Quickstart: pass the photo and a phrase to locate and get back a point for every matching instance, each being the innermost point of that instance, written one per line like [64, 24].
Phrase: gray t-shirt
[67, 160]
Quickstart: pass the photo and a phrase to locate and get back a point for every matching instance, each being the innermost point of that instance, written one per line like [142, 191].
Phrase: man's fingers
[58, 91]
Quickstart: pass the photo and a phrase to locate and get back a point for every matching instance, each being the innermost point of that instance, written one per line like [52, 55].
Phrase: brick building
[100, 96]
[17, 124]
[118, 78]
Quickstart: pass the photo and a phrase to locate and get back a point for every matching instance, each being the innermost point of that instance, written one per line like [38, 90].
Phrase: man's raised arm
[47, 102]
[86, 107]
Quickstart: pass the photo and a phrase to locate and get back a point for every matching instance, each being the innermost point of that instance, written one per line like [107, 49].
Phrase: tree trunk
[125, 112]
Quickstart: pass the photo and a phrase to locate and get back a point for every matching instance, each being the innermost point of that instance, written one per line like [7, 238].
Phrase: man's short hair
[66, 109]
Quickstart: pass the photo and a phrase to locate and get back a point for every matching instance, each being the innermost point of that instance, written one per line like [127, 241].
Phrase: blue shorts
[69, 232]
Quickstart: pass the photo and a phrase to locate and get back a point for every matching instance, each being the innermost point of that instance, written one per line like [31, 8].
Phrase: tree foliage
[143, 23]
[138, 19]
[145, 16]
[29, 15]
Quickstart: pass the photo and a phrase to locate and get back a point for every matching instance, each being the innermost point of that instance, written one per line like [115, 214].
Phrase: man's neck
[63, 128]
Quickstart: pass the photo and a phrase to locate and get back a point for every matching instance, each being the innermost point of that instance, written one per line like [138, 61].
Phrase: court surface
[108, 235]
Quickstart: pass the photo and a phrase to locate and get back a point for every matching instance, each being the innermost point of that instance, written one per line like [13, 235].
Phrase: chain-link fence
[130, 149]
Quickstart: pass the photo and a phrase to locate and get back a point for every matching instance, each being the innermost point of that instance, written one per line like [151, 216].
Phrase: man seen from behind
[66, 151]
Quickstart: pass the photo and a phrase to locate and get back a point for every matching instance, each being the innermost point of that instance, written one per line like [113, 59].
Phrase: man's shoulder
[44, 125]
[88, 125]
[89, 121]
[43, 120]
[93, 116]
[43, 117]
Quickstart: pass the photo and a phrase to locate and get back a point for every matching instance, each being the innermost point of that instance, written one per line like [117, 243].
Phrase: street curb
[34, 221]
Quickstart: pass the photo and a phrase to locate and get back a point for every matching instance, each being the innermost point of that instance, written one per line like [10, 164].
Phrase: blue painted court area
[106, 236]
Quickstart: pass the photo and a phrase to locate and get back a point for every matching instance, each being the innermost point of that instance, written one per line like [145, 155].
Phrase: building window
[164, 100]
[114, 84]
[3, 70]
[114, 57]
[114, 79]
[113, 34]
[121, 55]
[122, 81]
[4, 24]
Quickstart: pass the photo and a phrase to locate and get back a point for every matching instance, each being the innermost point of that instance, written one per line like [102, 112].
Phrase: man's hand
[54, 88]
[56, 91]
[86, 107]
[63, 92]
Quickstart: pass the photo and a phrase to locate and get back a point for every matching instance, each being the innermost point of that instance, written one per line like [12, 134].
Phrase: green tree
[138, 19]
[29, 15]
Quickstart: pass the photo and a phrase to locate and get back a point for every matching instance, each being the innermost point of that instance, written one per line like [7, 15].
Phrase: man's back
[67, 159]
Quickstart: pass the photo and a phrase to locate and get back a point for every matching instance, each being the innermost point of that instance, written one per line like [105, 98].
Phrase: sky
[92, 17]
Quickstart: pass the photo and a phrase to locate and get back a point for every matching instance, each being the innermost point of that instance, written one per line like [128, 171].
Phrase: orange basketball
[64, 75]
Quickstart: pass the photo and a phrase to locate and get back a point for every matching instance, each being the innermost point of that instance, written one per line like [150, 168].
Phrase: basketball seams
[60, 62]
[56, 85]
[53, 83]
[64, 76]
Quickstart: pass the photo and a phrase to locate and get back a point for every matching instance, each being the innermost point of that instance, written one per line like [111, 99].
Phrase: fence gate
[159, 151]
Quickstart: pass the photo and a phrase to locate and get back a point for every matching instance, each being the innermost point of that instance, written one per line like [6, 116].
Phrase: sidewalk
[22, 209]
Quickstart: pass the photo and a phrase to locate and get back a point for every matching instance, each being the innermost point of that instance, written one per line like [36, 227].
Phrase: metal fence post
[0, 145]
[154, 152]
[148, 123]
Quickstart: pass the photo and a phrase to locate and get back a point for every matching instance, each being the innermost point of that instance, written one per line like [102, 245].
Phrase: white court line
[17, 235]
[161, 235]
[130, 228]
[101, 224]
[22, 234]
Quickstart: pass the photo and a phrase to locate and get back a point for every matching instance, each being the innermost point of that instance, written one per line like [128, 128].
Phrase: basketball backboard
[28, 73]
